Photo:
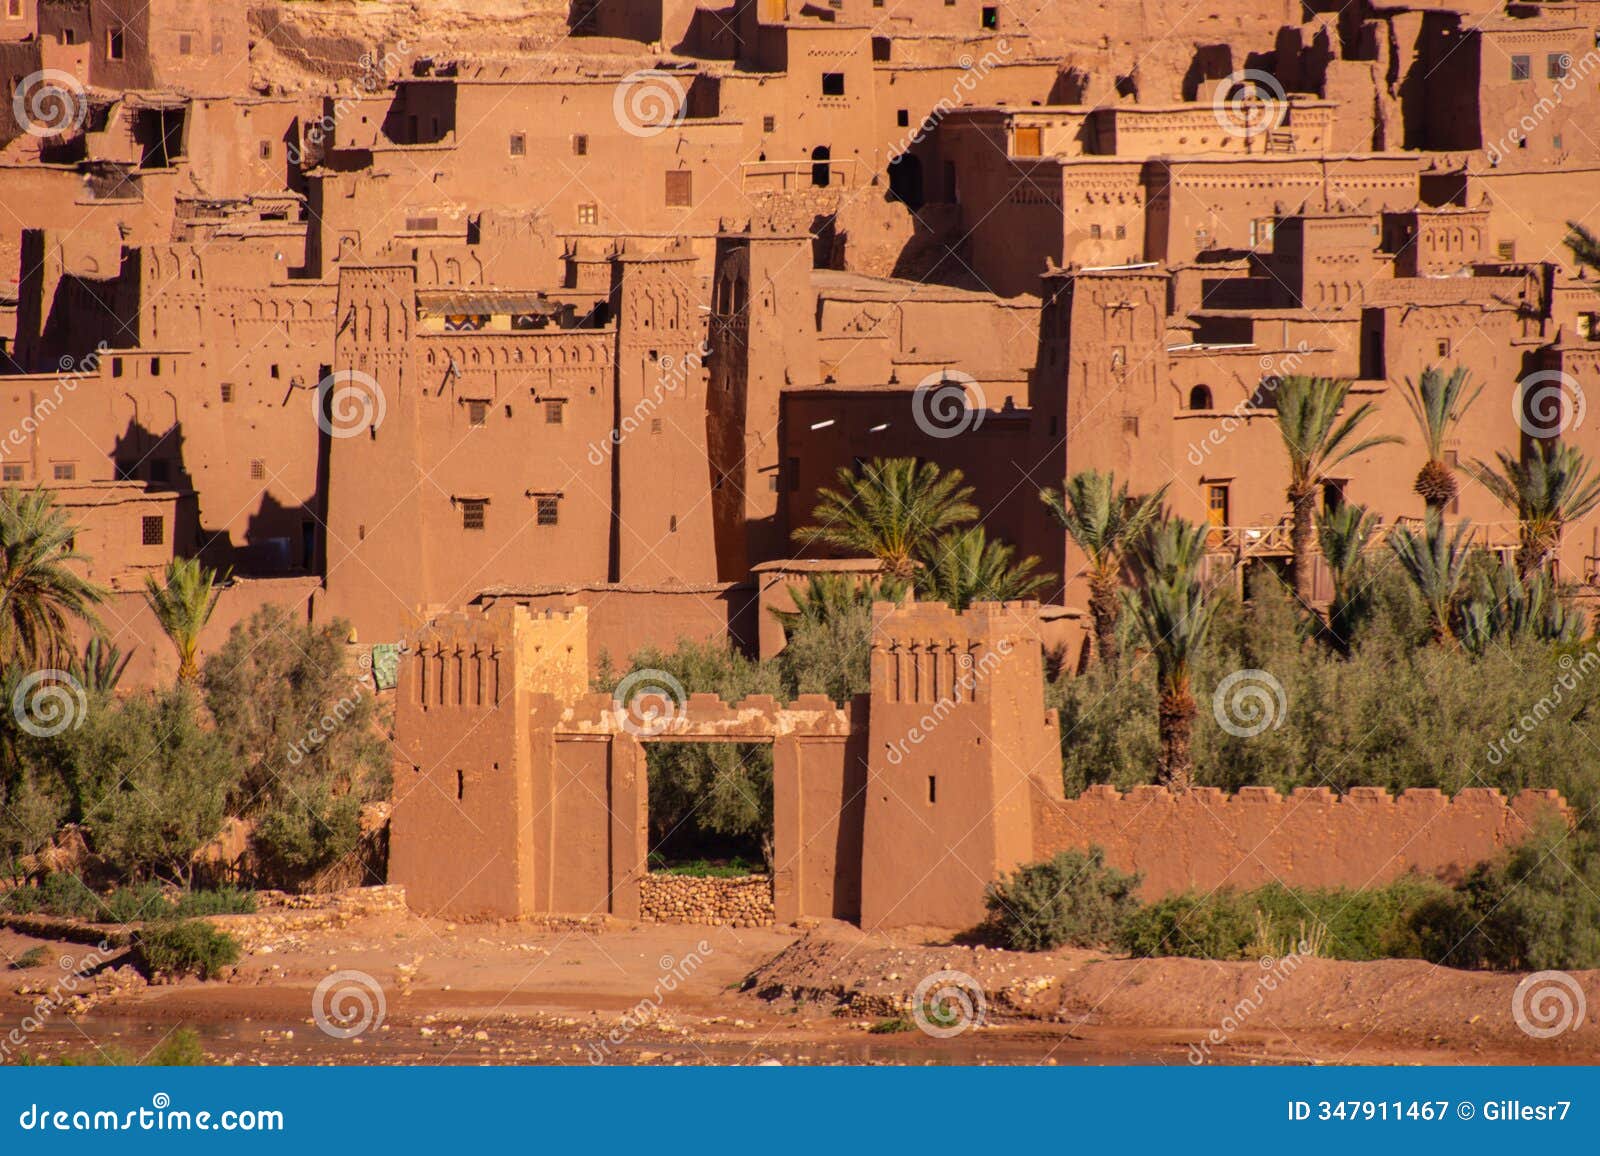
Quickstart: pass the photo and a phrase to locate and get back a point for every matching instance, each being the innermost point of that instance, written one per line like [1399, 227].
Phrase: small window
[1521, 68]
[1333, 494]
[580, 145]
[519, 144]
[680, 189]
[69, 36]
[1094, 232]
[185, 44]
[672, 524]
[655, 425]
[14, 8]
[833, 84]
[155, 367]
[477, 412]
[548, 509]
[769, 124]
[10, 473]
[153, 531]
[588, 214]
[1506, 250]
[116, 38]
[116, 367]
[1122, 232]
[1443, 347]
[258, 469]
[554, 411]
[65, 471]
[273, 372]
[227, 392]
[991, 17]
[1200, 397]
[902, 118]
[472, 514]
[1556, 65]
[264, 150]
[1130, 424]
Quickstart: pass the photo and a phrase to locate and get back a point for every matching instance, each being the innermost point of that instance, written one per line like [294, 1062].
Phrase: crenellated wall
[1313, 838]
[528, 795]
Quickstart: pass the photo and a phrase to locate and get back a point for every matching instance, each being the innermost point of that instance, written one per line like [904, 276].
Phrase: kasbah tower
[536, 337]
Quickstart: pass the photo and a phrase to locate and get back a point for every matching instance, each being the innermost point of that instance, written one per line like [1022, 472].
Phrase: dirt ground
[655, 994]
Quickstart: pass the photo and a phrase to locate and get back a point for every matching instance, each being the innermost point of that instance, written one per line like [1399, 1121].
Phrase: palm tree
[101, 666]
[183, 604]
[1504, 606]
[827, 597]
[889, 510]
[1546, 490]
[1103, 519]
[1317, 440]
[1436, 563]
[39, 588]
[1173, 610]
[961, 567]
[1438, 402]
[1343, 534]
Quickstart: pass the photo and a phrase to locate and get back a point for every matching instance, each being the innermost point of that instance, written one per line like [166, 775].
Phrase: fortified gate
[529, 795]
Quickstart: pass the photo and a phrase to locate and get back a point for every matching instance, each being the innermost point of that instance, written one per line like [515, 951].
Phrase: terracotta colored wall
[1313, 838]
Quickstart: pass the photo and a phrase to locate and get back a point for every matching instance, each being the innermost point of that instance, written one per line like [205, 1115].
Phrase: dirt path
[520, 993]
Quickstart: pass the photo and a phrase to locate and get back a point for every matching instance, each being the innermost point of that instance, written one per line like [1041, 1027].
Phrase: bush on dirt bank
[1073, 899]
[1537, 908]
[185, 947]
[1334, 923]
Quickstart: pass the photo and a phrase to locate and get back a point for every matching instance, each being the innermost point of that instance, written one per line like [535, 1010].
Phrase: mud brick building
[579, 304]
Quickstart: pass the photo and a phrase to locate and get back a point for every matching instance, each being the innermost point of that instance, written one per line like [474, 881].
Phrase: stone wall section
[743, 901]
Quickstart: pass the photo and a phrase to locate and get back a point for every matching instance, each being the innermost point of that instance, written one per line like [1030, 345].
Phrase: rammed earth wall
[1312, 838]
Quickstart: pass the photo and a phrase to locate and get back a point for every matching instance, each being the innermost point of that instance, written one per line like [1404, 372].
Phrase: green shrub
[1073, 898]
[1338, 923]
[179, 1050]
[185, 947]
[1536, 908]
[33, 957]
[135, 904]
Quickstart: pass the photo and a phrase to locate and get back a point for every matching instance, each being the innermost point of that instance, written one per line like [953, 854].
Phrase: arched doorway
[821, 170]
